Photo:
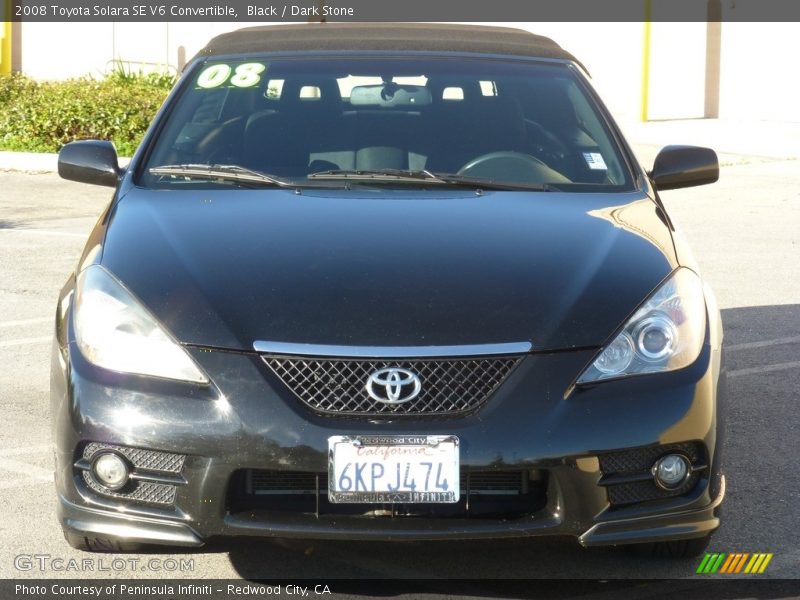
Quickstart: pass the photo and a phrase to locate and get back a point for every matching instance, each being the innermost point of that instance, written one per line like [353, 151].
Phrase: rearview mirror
[390, 94]
[90, 161]
[684, 166]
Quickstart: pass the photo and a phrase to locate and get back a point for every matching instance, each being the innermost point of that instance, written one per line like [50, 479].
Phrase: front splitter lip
[657, 528]
[95, 522]
[392, 529]
[662, 527]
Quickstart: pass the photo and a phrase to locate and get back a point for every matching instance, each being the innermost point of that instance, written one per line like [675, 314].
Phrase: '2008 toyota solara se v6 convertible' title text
[387, 282]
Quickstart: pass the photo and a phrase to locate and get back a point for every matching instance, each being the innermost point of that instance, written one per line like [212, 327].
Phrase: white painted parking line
[31, 474]
[764, 344]
[46, 232]
[25, 341]
[30, 471]
[765, 369]
[26, 450]
[25, 322]
[18, 483]
[10, 485]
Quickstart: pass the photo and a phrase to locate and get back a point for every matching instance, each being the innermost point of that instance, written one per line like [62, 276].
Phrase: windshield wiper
[426, 176]
[232, 173]
[238, 174]
[377, 175]
[492, 184]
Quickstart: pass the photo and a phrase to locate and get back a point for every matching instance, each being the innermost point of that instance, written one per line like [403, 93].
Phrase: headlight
[665, 334]
[114, 331]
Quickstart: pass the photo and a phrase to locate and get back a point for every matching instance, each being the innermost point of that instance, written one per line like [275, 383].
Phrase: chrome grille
[338, 385]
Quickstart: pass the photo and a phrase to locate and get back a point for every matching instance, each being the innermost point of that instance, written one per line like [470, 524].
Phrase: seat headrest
[470, 87]
[329, 98]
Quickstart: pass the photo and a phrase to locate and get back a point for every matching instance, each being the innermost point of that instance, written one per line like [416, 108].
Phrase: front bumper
[669, 526]
[248, 420]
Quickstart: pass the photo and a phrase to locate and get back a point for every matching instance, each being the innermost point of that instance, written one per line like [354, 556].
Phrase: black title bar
[403, 10]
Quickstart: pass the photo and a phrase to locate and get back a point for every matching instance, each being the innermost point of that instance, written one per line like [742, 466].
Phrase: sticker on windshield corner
[595, 161]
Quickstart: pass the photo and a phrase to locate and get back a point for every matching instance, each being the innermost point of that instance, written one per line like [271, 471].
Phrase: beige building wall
[676, 83]
[92, 48]
[759, 71]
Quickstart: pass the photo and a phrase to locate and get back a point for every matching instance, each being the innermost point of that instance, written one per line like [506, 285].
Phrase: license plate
[389, 469]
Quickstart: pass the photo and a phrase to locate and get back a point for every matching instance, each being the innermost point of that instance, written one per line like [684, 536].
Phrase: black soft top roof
[435, 37]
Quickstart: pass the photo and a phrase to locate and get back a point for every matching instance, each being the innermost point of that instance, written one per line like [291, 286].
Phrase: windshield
[385, 121]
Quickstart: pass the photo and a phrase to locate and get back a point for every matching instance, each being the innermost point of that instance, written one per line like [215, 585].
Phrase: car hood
[378, 267]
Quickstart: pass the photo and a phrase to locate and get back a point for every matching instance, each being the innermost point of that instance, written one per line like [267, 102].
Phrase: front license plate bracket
[395, 469]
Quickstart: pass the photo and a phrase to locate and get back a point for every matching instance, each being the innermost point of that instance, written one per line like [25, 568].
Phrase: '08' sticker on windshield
[245, 75]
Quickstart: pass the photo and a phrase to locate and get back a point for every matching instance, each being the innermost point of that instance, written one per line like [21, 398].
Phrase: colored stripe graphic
[703, 563]
[741, 562]
[726, 566]
[764, 564]
[752, 562]
[711, 562]
[757, 566]
[720, 562]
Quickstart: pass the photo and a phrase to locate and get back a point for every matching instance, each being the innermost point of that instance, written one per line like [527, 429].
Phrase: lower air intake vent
[259, 481]
[484, 493]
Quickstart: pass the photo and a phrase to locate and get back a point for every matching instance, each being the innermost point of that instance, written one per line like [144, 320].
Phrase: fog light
[670, 471]
[110, 470]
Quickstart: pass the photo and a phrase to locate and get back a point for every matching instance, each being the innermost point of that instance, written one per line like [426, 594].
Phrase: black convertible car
[387, 282]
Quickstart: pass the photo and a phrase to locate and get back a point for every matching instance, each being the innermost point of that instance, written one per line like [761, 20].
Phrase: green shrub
[43, 116]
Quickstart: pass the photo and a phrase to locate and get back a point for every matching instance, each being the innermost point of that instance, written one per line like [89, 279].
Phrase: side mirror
[90, 161]
[684, 166]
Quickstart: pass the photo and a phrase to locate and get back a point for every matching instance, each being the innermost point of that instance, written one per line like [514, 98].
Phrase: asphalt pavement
[744, 233]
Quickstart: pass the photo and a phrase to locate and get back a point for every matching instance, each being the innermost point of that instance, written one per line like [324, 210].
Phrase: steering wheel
[546, 144]
[512, 166]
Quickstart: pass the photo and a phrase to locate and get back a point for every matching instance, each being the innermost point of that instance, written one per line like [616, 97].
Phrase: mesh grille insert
[151, 460]
[141, 491]
[144, 462]
[640, 461]
[338, 386]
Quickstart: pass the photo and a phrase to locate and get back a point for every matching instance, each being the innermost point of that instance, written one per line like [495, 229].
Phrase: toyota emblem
[393, 385]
